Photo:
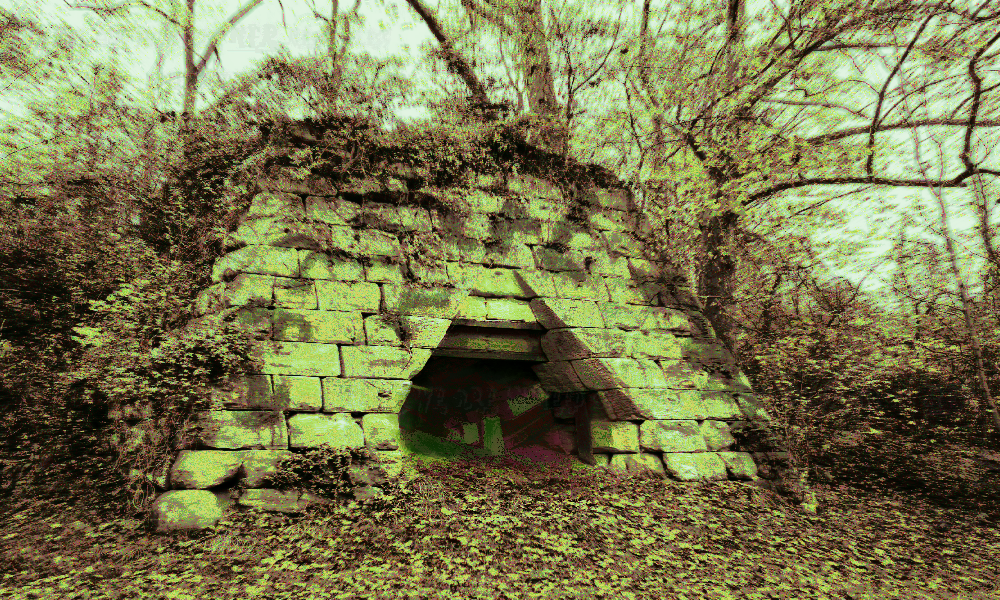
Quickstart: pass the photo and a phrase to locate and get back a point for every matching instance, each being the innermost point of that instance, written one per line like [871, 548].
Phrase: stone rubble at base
[350, 300]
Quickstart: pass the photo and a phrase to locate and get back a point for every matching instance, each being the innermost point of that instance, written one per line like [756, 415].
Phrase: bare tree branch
[977, 88]
[210, 48]
[959, 181]
[455, 60]
[877, 118]
[839, 135]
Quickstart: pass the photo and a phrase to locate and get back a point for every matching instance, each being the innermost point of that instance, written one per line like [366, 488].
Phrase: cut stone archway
[359, 301]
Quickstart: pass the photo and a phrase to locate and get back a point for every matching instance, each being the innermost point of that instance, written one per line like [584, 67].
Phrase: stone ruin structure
[503, 314]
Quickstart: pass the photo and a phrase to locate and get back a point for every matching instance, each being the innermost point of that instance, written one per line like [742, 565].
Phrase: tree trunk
[972, 334]
[715, 284]
[536, 68]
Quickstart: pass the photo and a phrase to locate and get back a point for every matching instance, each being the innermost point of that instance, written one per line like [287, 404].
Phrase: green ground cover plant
[503, 530]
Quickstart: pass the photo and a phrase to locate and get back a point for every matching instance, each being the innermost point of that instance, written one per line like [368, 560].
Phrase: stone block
[552, 259]
[250, 289]
[614, 436]
[441, 303]
[313, 430]
[580, 286]
[653, 344]
[298, 393]
[474, 226]
[257, 320]
[623, 290]
[240, 429]
[333, 211]
[740, 465]
[622, 316]
[430, 273]
[479, 201]
[658, 317]
[261, 260]
[557, 313]
[185, 510]
[671, 436]
[570, 235]
[558, 377]
[535, 283]
[268, 204]
[654, 403]
[721, 406]
[688, 466]
[472, 307]
[638, 464]
[524, 231]
[561, 438]
[641, 269]
[482, 281]
[609, 373]
[509, 255]
[372, 242]
[506, 309]
[382, 216]
[271, 500]
[341, 239]
[580, 342]
[381, 431]
[623, 243]
[202, 469]
[281, 232]
[462, 249]
[382, 331]
[319, 265]
[345, 296]
[680, 375]
[299, 358]
[329, 327]
[607, 219]
[383, 362]
[424, 332]
[603, 263]
[294, 293]
[414, 218]
[717, 435]
[257, 465]
[364, 395]
[242, 392]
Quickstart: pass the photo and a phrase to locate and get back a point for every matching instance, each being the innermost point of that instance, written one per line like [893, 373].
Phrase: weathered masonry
[532, 309]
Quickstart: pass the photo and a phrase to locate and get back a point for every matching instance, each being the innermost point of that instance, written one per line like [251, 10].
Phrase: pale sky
[388, 29]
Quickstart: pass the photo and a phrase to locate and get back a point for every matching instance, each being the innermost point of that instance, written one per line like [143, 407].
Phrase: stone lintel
[611, 373]
[557, 313]
[364, 395]
[383, 362]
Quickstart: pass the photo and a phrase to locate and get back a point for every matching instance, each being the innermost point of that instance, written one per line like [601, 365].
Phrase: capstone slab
[383, 362]
[364, 395]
